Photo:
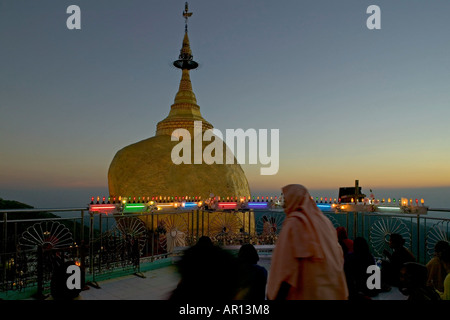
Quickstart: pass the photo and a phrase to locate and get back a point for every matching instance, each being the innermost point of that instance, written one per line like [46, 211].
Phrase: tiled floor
[158, 284]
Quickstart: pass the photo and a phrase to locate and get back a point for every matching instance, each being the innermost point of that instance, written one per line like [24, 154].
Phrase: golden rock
[146, 169]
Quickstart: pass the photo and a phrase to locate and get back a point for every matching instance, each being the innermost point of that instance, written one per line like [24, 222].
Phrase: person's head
[296, 198]
[445, 258]
[440, 247]
[360, 246]
[248, 254]
[413, 275]
[396, 241]
[341, 233]
[204, 241]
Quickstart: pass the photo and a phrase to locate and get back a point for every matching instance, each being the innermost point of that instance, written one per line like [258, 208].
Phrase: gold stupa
[146, 169]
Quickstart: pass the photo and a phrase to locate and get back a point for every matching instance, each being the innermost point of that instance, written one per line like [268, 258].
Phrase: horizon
[349, 102]
[435, 197]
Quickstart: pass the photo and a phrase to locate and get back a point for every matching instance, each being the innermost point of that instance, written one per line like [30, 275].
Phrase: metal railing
[111, 245]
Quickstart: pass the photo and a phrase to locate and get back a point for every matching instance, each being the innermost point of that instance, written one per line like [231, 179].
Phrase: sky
[349, 103]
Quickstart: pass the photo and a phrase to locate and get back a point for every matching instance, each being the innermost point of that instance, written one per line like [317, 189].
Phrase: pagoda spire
[186, 59]
[185, 110]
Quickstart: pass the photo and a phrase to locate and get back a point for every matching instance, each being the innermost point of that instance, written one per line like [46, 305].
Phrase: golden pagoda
[146, 169]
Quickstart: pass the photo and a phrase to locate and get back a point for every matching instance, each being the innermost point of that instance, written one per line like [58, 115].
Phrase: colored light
[257, 205]
[166, 205]
[134, 207]
[228, 205]
[102, 208]
[324, 206]
[190, 204]
[390, 208]
[93, 208]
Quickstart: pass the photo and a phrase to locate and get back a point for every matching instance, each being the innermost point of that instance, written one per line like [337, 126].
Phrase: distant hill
[11, 204]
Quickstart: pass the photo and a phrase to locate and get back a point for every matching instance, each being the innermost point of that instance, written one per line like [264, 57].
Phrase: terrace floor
[158, 284]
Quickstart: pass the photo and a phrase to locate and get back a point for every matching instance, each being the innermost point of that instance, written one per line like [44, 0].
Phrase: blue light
[257, 204]
[324, 206]
[190, 204]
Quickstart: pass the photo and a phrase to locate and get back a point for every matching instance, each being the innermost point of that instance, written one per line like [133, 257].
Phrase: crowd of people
[312, 260]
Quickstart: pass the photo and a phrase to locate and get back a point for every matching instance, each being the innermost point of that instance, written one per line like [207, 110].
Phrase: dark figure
[344, 241]
[58, 285]
[413, 282]
[437, 270]
[208, 273]
[390, 269]
[355, 267]
[252, 277]
[445, 257]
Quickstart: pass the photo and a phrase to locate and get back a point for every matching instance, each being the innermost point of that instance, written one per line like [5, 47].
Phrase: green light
[134, 207]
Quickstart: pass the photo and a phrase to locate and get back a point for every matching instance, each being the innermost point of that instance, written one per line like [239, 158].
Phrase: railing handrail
[43, 210]
[439, 209]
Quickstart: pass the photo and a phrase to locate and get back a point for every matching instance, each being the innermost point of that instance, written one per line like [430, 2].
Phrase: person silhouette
[207, 273]
[413, 282]
[390, 268]
[356, 265]
[436, 267]
[252, 277]
[308, 261]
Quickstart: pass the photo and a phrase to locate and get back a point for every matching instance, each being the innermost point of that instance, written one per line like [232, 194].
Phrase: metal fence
[111, 245]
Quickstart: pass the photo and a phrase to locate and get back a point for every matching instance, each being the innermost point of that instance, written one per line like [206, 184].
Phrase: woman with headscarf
[308, 261]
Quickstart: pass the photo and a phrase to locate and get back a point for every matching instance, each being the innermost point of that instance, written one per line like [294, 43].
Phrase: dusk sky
[350, 103]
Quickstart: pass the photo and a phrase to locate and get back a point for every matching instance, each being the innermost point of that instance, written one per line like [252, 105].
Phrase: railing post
[5, 241]
[100, 223]
[418, 238]
[203, 222]
[40, 273]
[197, 222]
[91, 243]
[82, 226]
[362, 226]
[153, 239]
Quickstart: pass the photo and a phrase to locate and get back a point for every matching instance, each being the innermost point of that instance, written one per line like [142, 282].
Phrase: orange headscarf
[307, 254]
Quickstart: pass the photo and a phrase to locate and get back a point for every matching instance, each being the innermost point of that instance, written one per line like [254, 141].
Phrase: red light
[102, 208]
[228, 205]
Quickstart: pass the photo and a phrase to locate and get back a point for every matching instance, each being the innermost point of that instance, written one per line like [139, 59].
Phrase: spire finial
[186, 15]
[185, 59]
